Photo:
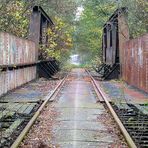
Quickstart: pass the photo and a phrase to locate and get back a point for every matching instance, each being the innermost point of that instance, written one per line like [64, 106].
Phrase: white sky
[79, 12]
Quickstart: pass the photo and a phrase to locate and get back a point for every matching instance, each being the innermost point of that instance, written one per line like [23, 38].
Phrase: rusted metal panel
[123, 34]
[35, 27]
[16, 51]
[114, 44]
[12, 79]
[104, 44]
[109, 48]
[135, 62]
[114, 29]
[39, 24]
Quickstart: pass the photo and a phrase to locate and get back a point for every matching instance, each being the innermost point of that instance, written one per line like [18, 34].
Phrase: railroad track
[17, 117]
[71, 77]
[132, 122]
[128, 119]
[48, 98]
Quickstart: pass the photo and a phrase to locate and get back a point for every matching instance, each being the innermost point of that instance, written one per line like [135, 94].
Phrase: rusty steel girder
[135, 62]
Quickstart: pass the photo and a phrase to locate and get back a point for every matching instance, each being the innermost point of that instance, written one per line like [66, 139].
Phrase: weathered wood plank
[23, 108]
[13, 127]
[30, 108]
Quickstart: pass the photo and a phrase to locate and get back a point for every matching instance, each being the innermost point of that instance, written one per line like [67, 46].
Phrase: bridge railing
[17, 62]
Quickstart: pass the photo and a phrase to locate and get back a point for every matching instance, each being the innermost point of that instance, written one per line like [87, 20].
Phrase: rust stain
[135, 62]
[12, 79]
[16, 51]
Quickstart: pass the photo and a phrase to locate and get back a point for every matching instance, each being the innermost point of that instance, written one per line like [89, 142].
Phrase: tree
[88, 36]
[59, 42]
[15, 17]
[137, 16]
[86, 31]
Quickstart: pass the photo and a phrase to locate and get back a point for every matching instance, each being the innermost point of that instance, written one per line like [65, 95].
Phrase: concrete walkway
[82, 123]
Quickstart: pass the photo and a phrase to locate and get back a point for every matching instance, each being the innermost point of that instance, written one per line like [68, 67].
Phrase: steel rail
[34, 118]
[126, 135]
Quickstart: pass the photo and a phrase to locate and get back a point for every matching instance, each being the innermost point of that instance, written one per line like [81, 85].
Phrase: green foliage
[59, 41]
[64, 9]
[14, 17]
[88, 35]
[137, 16]
[15, 14]
[84, 34]
[96, 61]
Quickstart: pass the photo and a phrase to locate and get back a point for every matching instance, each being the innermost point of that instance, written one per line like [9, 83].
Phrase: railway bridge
[42, 107]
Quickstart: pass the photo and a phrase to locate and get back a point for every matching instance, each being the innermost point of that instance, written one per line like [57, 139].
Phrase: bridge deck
[81, 122]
